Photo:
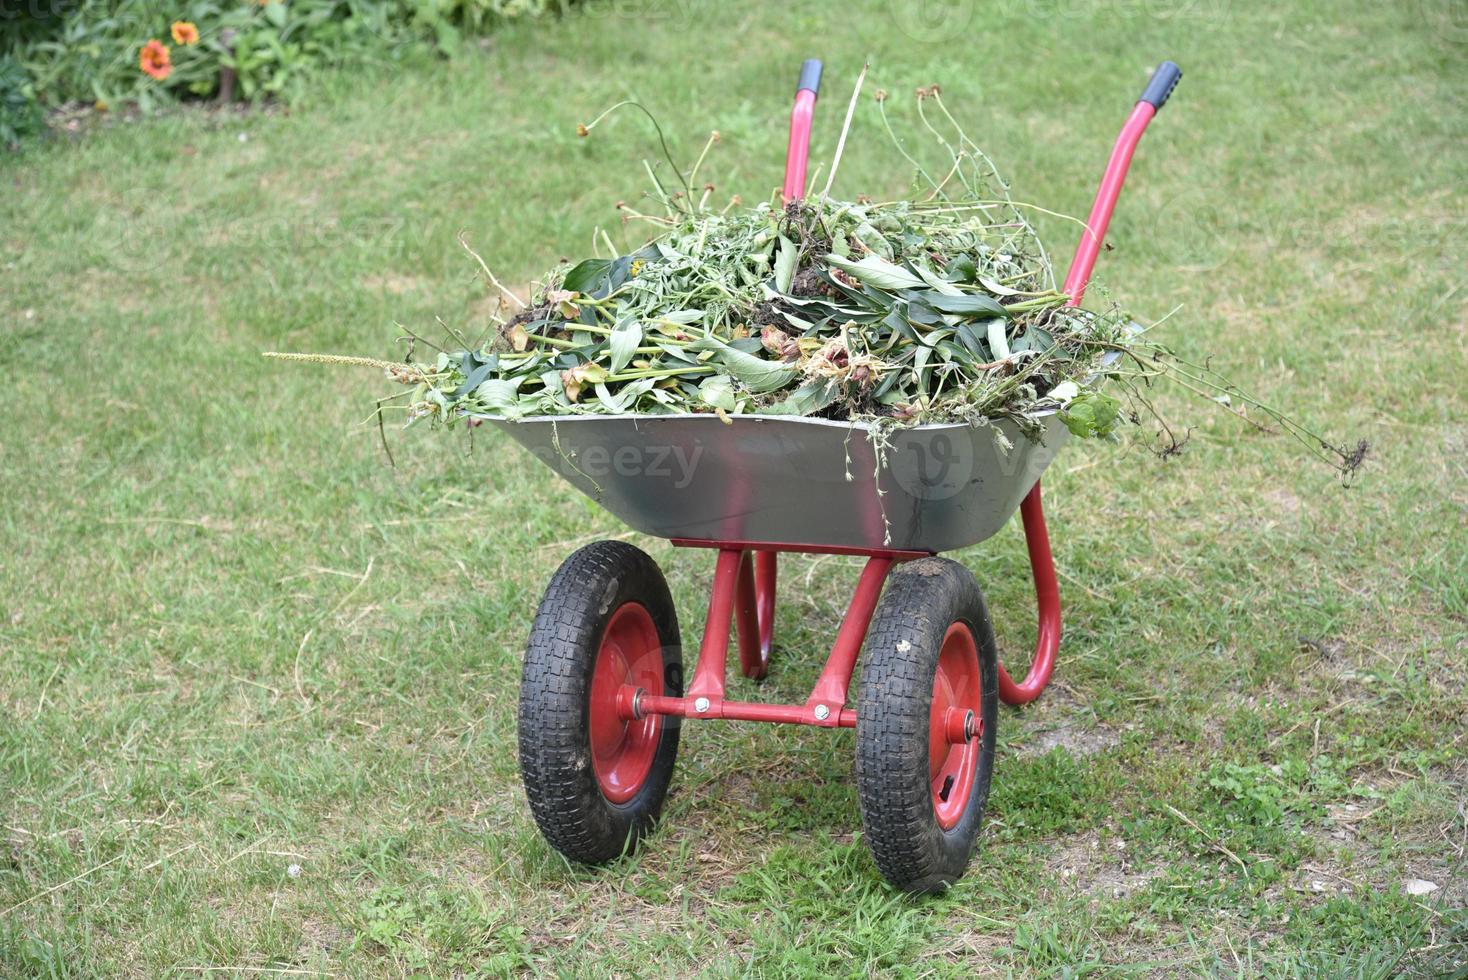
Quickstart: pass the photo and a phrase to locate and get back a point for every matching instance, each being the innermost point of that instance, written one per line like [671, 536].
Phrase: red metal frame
[743, 593]
[826, 705]
[1032, 512]
[1047, 597]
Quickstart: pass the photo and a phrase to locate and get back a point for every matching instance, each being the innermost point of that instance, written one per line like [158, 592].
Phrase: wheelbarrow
[603, 692]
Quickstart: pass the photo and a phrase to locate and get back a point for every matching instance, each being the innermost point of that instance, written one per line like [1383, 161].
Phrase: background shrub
[70, 51]
[20, 113]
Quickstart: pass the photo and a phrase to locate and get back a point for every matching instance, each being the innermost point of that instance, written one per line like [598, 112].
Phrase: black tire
[567, 797]
[899, 799]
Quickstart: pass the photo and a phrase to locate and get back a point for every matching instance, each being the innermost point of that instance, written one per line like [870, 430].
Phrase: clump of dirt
[528, 315]
[552, 327]
[809, 282]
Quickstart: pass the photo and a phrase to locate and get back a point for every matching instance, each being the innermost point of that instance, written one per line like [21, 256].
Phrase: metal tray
[790, 480]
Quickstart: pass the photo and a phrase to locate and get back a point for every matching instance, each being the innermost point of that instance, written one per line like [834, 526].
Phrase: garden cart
[604, 690]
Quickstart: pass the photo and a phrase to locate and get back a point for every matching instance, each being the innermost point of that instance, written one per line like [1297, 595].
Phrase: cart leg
[764, 595]
[713, 652]
[831, 687]
[754, 653]
[1047, 595]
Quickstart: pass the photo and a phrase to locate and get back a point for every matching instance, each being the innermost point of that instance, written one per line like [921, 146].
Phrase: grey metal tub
[774, 479]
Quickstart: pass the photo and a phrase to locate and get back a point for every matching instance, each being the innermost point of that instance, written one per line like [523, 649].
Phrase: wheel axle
[959, 725]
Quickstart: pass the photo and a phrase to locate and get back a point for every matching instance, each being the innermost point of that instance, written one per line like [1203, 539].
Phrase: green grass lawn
[235, 641]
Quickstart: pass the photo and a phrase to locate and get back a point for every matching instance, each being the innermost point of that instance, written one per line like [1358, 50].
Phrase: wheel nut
[701, 705]
[822, 712]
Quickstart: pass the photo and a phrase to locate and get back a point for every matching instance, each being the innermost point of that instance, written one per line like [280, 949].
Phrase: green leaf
[805, 400]
[587, 276]
[935, 281]
[877, 271]
[475, 370]
[677, 352]
[897, 323]
[996, 288]
[964, 305]
[626, 336]
[718, 392]
[785, 264]
[918, 311]
[501, 395]
[1091, 415]
[971, 340]
[616, 404]
[1035, 339]
[998, 343]
[873, 239]
[755, 373]
[275, 12]
[962, 269]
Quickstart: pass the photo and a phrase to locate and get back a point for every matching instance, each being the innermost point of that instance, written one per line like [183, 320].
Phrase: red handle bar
[1032, 513]
[797, 154]
[1047, 591]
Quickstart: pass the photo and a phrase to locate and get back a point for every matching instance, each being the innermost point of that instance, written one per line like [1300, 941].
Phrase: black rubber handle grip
[1164, 80]
[810, 76]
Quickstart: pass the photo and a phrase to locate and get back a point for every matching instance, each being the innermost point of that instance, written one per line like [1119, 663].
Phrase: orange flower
[185, 33]
[153, 60]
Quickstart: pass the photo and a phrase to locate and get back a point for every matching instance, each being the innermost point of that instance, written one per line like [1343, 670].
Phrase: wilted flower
[578, 377]
[406, 374]
[185, 33]
[153, 60]
[564, 302]
[518, 337]
[777, 341]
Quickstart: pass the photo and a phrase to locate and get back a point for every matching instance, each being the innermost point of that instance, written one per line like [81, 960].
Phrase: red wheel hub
[622, 750]
[955, 725]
